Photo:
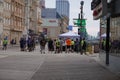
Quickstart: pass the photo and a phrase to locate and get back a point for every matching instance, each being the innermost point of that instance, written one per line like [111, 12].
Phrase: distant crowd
[114, 46]
[54, 45]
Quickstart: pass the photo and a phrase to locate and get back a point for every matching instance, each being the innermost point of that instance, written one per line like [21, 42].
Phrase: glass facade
[49, 13]
[114, 37]
[62, 7]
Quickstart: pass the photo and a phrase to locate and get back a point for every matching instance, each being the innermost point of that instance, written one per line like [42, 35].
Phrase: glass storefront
[115, 36]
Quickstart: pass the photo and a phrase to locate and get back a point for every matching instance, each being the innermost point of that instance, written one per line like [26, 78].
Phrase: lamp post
[81, 18]
[82, 3]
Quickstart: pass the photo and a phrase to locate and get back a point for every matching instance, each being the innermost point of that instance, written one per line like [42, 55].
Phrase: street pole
[80, 17]
[107, 40]
[27, 15]
[82, 3]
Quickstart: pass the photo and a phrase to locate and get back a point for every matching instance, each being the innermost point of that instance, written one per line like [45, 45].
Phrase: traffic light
[78, 31]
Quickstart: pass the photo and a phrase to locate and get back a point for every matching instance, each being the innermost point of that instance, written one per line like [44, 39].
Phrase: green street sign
[82, 29]
[80, 22]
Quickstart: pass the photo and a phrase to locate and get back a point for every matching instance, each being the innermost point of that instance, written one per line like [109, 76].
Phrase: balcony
[6, 26]
[9, 1]
[20, 2]
[16, 28]
[17, 14]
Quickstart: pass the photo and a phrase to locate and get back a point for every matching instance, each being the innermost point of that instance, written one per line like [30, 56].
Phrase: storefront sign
[99, 8]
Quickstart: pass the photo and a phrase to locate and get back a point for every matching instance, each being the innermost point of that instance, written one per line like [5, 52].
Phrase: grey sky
[92, 26]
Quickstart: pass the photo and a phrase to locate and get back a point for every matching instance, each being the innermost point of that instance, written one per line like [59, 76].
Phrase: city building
[115, 28]
[6, 20]
[53, 23]
[33, 19]
[17, 18]
[63, 7]
[114, 21]
[112, 57]
[39, 18]
[50, 13]
[1, 18]
[64, 22]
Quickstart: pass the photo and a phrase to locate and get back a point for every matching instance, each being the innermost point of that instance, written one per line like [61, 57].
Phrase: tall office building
[62, 7]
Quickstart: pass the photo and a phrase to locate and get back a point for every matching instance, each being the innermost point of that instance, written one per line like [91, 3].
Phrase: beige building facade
[1, 17]
[6, 19]
[52, 28]
[64, 22]
[33, 19]
[12, 19]
[17, 17]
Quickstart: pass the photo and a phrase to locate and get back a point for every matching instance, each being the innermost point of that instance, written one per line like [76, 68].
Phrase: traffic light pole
[81, 12]
[82, 2]
[79, 25]
[80, 17]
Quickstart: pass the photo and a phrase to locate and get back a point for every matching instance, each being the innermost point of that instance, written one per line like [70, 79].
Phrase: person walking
[29, 44]
[57, 44]
[61, 45]
[72, 45]
[42, 45]
[83, 46]
[77, 45]
[5, 43]
[68, 44]
[22, 44]
[50, 45]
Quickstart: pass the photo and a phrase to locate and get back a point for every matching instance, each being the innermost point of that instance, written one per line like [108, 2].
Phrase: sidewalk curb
[97, 59]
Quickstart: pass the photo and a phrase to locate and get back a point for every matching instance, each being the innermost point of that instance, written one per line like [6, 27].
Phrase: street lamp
[81, 18]
[82, 3]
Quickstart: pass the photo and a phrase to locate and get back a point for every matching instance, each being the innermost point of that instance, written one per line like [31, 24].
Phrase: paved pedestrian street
[17, 65]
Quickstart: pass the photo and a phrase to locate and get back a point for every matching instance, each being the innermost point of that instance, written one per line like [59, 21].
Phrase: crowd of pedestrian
[67, 45]
[27, 44]
[54, 45]
[114, 46]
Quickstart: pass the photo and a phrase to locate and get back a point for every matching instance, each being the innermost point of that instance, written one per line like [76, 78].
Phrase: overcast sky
[92, 26]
